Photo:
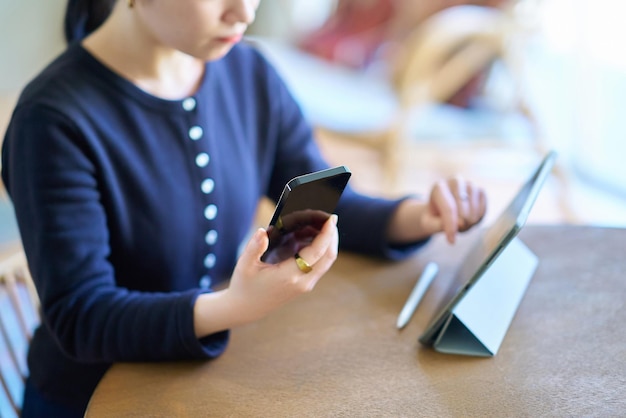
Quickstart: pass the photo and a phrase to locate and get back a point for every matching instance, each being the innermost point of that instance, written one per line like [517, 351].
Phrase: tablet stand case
[478, 323]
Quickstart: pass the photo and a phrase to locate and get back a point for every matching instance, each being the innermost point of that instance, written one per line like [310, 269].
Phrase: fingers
[460, 205]
[478, 205]
[442, 202]
[470, 202]
[460, 191]
[329, 256]
[320, 254]
[310, 217]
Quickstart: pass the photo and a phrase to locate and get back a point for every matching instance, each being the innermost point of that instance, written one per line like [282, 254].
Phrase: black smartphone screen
[305, 204]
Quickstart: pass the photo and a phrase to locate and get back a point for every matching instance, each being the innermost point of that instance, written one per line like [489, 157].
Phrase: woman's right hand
[257, 288]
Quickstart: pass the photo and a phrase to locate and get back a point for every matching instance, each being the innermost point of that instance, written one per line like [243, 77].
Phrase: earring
[131, 4]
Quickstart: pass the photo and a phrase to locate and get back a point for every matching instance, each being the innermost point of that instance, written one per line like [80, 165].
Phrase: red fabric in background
[353, 34]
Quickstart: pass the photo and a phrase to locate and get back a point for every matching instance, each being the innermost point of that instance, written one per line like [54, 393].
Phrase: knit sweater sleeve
[53, 185]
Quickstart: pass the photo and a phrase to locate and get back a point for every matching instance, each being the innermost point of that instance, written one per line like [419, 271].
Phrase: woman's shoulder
[73, 84]
[51, 93]
[60, 76]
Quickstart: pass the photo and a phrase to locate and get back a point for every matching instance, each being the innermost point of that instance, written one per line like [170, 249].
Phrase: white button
[195, 133]
[210, 212]
[211, 237]
[205, 282]
[209, 261]
[189, 104]
[207, 186]
[202, 159]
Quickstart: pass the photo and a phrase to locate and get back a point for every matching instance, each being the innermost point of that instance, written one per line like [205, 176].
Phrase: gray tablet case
[479, 321]
[493, 279]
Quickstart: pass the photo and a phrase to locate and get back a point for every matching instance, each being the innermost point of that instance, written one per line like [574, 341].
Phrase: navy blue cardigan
[130, 206]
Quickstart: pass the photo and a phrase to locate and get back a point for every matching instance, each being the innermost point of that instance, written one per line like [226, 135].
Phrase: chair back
[447, 50]
[19, 315]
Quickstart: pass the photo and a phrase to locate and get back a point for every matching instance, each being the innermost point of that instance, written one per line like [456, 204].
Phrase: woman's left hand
[454, 205]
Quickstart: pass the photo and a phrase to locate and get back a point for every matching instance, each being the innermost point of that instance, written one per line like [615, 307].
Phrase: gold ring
[279, 224]
[302, 264]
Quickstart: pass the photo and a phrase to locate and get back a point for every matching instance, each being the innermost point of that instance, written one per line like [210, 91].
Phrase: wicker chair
[19, 314]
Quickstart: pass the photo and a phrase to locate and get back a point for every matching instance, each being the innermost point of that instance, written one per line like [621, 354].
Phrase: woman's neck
[163, 72]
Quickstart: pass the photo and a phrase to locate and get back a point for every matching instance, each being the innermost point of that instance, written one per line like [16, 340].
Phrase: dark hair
[84, 16]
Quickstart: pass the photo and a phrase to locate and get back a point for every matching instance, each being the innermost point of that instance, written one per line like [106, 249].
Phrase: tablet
[491, 242]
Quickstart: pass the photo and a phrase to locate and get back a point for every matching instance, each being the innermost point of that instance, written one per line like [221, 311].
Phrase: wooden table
[336, 351]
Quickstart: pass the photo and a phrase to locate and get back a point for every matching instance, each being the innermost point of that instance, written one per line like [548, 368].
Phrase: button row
[196, 133]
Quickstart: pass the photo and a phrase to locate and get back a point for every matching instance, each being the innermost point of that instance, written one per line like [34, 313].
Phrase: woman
[135, 162]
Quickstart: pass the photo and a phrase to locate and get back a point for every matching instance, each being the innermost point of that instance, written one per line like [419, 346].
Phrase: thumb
[256, 246]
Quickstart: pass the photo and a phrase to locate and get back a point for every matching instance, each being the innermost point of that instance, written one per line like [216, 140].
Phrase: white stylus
[426, 278]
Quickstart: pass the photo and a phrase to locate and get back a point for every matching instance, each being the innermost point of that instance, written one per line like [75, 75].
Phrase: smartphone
[304, 205]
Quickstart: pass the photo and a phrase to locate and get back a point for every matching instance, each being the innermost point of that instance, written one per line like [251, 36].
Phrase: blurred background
[500, 82]
[405, 92]
[30, 36]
